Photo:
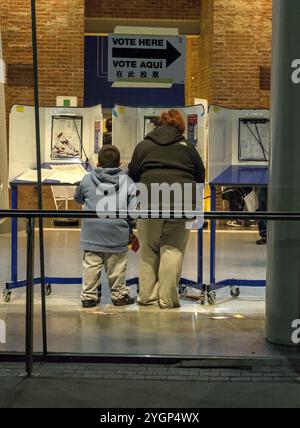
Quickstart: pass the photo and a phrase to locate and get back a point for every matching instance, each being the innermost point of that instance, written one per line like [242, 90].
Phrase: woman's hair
[173, 118]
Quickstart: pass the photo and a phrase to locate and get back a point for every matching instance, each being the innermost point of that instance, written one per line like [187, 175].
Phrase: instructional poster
[150, 123]
[66, 139]
[193, 129]
[97, 136]
[254, 140]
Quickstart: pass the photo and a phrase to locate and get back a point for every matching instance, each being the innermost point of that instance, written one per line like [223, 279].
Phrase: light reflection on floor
[231, 327]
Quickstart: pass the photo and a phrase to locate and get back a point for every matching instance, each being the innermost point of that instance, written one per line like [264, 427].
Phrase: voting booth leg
[213, 238]
[232, 283]
[200, 256]
[283, 286]
[14, 248]
[29, 296]
[14, 236]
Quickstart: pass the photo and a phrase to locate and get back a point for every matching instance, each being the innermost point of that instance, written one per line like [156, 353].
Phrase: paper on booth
[31, 175]
[70, 174]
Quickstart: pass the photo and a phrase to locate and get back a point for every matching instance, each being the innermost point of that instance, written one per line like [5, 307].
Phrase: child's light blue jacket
[95, 192]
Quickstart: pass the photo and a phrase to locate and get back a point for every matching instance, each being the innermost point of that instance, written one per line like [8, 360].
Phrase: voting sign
[146, 58]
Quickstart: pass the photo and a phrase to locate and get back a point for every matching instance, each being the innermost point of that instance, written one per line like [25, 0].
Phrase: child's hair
[109, 157]
[174, 118]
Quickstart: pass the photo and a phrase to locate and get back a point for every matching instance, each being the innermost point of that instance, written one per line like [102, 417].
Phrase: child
[104, 241]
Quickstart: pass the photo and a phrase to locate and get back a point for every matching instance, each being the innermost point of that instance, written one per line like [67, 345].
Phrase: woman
[165, 156]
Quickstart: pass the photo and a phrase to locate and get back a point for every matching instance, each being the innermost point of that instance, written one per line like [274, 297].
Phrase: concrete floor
[231, 328]
[237, 255]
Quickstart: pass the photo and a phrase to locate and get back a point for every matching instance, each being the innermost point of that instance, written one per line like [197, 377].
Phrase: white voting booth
[132, 124]
[77, 129]
[237, 138]
[3, 140]
[83, 124]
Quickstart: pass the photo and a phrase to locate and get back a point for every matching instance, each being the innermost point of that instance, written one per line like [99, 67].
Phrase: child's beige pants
[115, 265]
[163, 244]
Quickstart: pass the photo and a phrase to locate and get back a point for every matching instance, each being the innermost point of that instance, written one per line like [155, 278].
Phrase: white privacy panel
[131, 125]
[125, 130]
[79, 126]
[220, 140]
[22, 141]
[237, 137]
[3, 147]
[95, 133]
[204, 127]
[251, 137]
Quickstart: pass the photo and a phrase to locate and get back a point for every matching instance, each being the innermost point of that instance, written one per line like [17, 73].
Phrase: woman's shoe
[125, 301]
[89, 304]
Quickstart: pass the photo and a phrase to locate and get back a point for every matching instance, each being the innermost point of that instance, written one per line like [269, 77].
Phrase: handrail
[31, 215]
[188, 215]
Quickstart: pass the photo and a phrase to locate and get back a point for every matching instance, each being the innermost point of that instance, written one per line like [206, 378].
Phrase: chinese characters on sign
[146, 58]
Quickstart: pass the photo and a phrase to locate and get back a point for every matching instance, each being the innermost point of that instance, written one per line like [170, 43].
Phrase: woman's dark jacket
[165, 156]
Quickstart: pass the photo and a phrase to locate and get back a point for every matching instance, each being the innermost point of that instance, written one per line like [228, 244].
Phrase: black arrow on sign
[170, 54]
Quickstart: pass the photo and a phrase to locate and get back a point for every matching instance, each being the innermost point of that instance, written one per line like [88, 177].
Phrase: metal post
[213, 227]
[14, 236]
[283, 277]
[39, 174]
[29, 296]
[200, 256]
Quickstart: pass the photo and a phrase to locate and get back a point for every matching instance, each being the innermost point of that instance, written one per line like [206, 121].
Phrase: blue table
[234, 176]
[15, 283]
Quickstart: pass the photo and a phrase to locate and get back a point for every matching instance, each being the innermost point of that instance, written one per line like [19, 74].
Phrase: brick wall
[60, 30]
[231, 56]
[234, 43]
[192, 69]
[205, 83]
[145, 9]
[223, 64]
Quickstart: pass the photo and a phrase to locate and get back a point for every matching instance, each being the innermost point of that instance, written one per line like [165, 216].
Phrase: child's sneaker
[125, 301]
[234, 223]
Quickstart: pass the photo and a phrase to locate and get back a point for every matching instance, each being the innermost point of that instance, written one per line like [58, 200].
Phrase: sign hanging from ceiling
[152, 59]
